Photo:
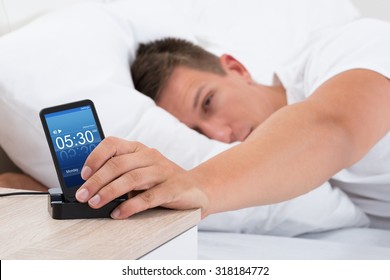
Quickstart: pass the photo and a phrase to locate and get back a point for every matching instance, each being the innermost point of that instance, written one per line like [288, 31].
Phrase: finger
[112, 169]
[180, 193]
[148, 199]
[107, 149]
[128, 163]
[138, 179]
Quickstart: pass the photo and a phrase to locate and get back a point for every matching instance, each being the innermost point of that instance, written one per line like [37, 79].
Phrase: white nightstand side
[182, 247]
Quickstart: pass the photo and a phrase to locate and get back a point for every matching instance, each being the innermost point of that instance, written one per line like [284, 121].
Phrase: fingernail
[86, 172]
[82, 195]
[115, 214]
[94, 200]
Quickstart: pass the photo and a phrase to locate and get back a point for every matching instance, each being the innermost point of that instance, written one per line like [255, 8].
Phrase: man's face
[226, 108]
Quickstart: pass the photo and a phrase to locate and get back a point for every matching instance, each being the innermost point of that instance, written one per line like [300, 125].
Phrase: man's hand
[117, 167]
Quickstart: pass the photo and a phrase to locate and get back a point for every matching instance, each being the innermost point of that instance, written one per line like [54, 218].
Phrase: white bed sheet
[345, 244]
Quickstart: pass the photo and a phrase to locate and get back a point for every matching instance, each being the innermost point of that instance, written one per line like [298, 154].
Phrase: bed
[53, 52]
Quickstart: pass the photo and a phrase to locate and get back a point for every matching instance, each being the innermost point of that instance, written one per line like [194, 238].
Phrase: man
[326, 116]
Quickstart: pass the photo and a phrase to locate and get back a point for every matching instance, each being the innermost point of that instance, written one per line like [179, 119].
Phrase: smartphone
[72, 131]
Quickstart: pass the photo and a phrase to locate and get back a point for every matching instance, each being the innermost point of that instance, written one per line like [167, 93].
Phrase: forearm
[284, 157]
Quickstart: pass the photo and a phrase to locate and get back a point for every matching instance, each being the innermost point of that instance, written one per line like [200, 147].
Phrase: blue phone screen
[74, 135]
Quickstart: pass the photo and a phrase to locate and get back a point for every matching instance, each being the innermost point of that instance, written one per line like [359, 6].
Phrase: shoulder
[361, 44]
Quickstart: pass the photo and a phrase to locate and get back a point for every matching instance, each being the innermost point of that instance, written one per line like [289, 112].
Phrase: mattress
[344, 244]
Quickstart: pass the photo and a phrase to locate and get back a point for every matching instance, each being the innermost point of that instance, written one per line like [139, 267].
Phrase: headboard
[6, 165]
[16, 13]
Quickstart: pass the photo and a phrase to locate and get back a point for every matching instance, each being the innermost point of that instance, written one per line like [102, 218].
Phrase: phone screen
[73, 131]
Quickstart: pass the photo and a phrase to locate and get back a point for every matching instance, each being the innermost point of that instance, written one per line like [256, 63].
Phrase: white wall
[374, 8]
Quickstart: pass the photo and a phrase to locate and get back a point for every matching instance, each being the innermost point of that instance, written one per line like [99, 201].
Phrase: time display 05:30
[80, 138]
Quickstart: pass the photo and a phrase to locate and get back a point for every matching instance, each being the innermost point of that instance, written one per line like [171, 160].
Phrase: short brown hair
[156, 60]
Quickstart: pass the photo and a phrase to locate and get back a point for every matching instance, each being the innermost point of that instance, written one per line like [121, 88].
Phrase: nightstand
[28, 232]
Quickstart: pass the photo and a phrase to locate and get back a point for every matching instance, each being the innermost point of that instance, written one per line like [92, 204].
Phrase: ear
[230, 64]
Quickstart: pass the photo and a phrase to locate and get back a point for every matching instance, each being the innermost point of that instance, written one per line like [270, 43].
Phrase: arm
[291, 153]
[303, 145]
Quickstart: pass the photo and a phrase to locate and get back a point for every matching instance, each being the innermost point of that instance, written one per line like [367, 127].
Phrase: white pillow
[16, 13]
[154, 19]
[263, 34]
[84, 52]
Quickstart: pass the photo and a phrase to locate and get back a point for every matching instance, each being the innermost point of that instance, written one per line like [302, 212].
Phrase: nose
[220, 132]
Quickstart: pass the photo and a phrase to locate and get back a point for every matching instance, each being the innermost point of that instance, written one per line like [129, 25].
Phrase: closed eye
[207, 102]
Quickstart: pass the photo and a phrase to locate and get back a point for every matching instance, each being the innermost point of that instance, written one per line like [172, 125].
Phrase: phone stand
[60, 209]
